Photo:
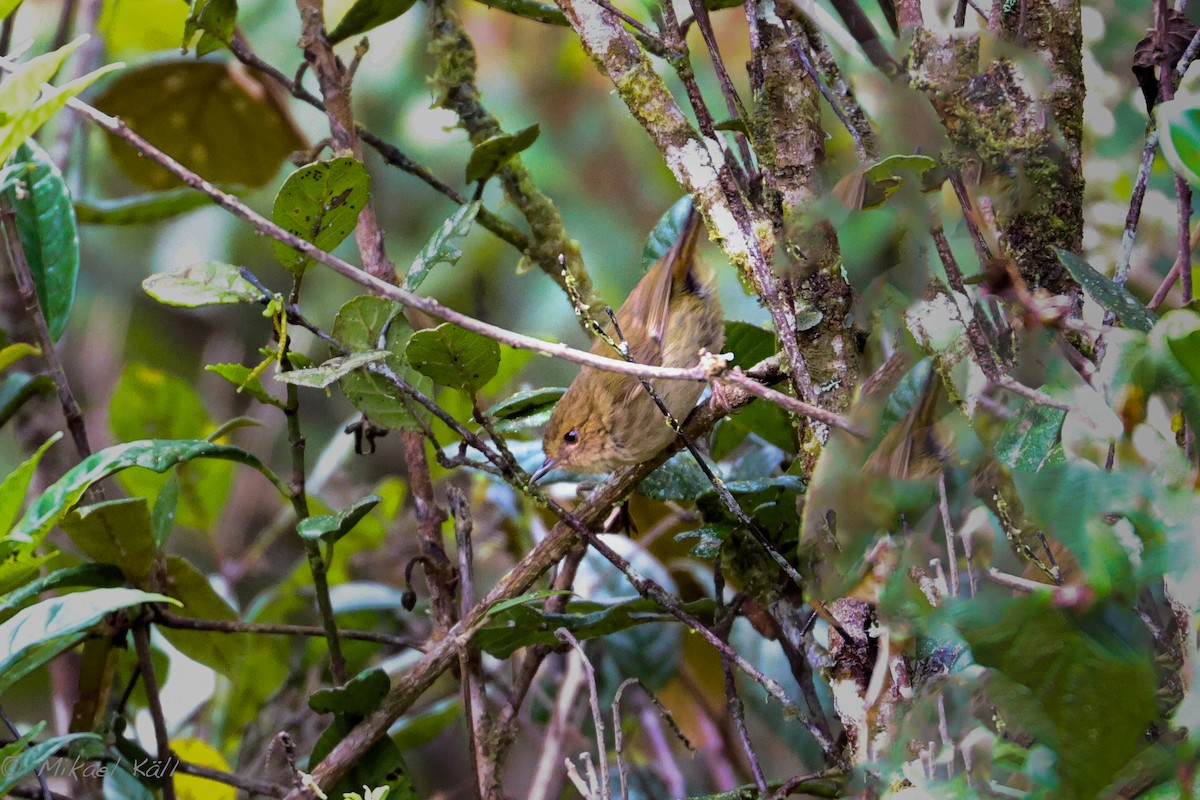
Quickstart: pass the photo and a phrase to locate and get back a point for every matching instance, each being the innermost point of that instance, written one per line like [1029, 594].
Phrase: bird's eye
[571, 437]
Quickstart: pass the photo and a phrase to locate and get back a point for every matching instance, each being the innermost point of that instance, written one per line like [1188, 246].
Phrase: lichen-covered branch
[455, 83]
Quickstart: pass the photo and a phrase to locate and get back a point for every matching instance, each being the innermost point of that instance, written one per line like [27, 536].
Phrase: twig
[948, 529]
[84, 60]
[564, 635]
[618, 733]
[864, 152]
[25, 285]
[735, 377]
[479, 724]
[141, 642]
[170, 620]
[733, 103]
[312, 547]
[733, 702]
[38, 770]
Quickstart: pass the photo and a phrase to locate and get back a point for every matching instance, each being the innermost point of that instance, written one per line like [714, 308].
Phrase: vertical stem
[312, 547]
[141, 642]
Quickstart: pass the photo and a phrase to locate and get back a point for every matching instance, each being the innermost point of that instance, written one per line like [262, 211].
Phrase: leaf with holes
[206, 283]
[441, 249]
[490, 155]
[214, 19]
[454, 356]
[320, 203]
[332, 370]
[359, 325]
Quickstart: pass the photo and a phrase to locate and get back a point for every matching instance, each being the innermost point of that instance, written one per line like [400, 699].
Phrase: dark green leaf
[216, 18]
[330, 527]
[367, 14]
[165, 507]
[188, 585]
[92, 576]
[523, 626]
[115, 532]
[154, 455]
[454, 356]
[141, 209]
[906, 394]
[1108, 294]
[239, 376]
[1091, 675]
[1030, 438]
[196, 111]
[18, 389]
[678, 479]
[666, 231]
[320, 203]
[765, 420]
[735, 124]
[490, 155]
[36, 634]
[749, 344]
[441, 249]
[525, 410]
[49, 239]
[359, 697]
[423, 727]
[206, 283]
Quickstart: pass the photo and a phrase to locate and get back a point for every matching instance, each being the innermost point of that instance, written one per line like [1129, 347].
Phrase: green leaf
[166, 505]
[360, 696]
[154, 455]
[195, 111]
[150, 404]
[736, 124]
[16, 484]
[490, 155]
[331, 527]
[216, 18]
[666, 231]
[239, 376]
[19, 388]
[421, 728]
[1030, 438]
[15, 352]
[885, 176]
[8, 6]
[367, 14]
[530, 9]
[141, 209]
[678, 479]
[710, 538]
[1179, 126]
[525, 410]
[319, 203]
[224, 652]
[115, 532]
[1092, 675]
[49, 238]
[93, 576]
[36, 634]
[1108, 294]
[906, 394]
[206, 283]
[454, 356]
[749, 344]
[523, 625]
[332, 370]
[441, 249]
[358, 326]
[1181, 330]
[22, 116]
[19, 765]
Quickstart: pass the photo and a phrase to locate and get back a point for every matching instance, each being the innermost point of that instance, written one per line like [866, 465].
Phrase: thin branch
[15, 253]
[170, 620]
[735, 377]
[39, 770]
[865, 150]
[733, 103]
[564, 635]
[733, 702]
[141, 642]
[479, 724]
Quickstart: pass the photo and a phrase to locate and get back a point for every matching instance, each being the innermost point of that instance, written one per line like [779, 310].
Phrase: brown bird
[608, 420]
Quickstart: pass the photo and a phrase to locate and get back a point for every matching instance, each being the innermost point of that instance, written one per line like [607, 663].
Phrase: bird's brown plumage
[608, 420]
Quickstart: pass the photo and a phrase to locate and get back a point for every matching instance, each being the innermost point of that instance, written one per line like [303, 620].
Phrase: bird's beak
[540, 472]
